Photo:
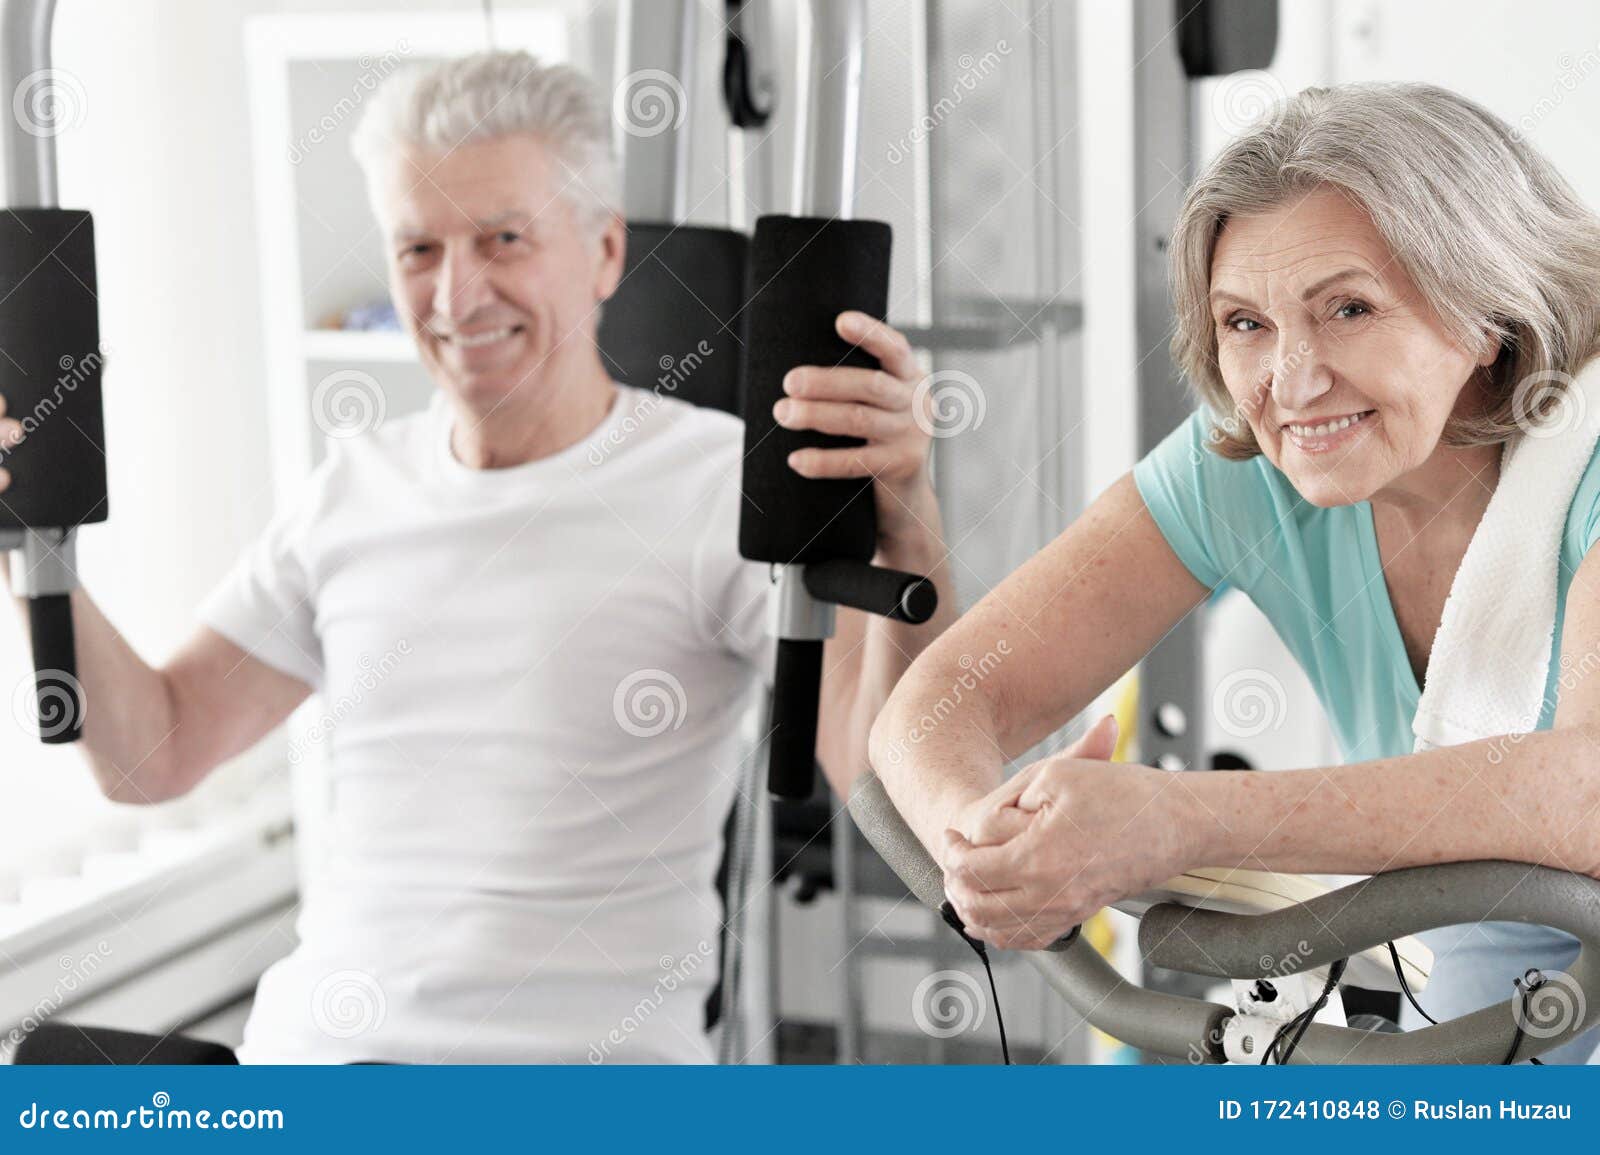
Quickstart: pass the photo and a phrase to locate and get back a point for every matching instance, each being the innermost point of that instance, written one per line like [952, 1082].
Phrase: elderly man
[528, 607]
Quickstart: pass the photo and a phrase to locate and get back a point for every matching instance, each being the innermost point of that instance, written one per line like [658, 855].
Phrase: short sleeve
[1583, 517]
[265, 604]
[1226, 520]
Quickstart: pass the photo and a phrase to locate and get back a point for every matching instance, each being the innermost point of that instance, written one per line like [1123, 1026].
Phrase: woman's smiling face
[1344, 372]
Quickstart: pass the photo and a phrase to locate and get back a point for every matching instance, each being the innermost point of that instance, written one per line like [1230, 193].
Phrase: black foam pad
[50, 372]
[673, 325]
[1216, 37]
[70, 1045]
[804, 272]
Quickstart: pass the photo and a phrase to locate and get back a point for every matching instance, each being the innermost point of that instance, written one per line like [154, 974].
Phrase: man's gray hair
[439, 107]
[1493, 237]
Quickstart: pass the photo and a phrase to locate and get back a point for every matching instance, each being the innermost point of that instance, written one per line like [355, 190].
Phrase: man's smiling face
[495, 273]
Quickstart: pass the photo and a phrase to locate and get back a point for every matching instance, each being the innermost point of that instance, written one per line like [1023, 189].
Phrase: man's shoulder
[676, 434]
[686, 419]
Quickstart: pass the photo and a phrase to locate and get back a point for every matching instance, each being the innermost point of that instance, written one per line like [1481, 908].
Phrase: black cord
[953, 920]
[1535, 979]
[1405, 987]
[1534, 984]
[1303, 1019]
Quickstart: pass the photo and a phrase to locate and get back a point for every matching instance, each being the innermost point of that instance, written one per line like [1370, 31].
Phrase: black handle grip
[901, 597]
[55, 664]
[792, 742]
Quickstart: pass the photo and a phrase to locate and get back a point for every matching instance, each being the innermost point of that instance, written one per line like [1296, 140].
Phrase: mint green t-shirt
[1315, 574]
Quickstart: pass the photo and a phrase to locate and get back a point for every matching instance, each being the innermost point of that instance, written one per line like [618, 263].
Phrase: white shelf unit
[320, 250]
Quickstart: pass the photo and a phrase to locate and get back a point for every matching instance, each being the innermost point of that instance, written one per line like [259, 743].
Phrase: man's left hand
[876, 405]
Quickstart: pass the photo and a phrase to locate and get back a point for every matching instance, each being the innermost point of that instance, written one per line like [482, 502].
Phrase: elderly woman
[1361, 283]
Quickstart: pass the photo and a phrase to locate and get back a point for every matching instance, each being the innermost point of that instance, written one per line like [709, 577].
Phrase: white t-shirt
[531, 684]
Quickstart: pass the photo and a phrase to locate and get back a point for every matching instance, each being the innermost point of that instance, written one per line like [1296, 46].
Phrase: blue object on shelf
[375, 317]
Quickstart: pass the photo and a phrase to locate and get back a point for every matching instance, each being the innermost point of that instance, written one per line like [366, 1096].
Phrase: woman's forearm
[1527, 798]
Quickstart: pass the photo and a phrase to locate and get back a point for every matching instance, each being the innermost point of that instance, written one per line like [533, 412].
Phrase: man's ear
[613, 250]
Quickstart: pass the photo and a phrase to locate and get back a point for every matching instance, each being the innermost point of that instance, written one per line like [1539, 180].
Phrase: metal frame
[1170, 676]
[48, 557]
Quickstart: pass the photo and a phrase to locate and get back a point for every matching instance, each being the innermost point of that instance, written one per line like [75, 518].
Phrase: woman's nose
[1299, 375]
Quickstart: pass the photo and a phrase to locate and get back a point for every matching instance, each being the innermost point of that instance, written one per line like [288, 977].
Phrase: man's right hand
[152, 733]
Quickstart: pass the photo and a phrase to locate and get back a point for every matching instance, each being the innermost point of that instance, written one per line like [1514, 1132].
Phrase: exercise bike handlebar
[1335, 925]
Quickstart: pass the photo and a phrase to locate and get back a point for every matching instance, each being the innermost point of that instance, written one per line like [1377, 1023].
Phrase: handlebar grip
[1384, 907]
[1332, 926]
[1153, 1020]
[58, 695]
[889, 593]
[792, 739]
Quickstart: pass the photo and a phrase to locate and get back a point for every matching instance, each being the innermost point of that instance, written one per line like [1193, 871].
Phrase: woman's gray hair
[439, 107]
[1493, 237]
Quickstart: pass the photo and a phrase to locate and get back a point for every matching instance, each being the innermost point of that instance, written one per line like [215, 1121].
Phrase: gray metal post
[30, 157]
[828, 140]
[48, 562]
[829, 135]
[1169, 725]
[652, 119]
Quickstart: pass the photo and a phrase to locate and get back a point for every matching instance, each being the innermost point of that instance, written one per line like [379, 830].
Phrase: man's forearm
[127, 708]
[869, 654]
[967, 763]
[1528, 798]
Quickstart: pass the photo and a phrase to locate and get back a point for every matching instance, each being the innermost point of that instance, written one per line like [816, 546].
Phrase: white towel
[1491, 656]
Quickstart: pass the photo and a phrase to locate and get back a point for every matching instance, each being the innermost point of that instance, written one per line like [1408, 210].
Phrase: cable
[1534, 983]
[1405, 987]
[1535, 980]
[953, 920]
[1303, 1019]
